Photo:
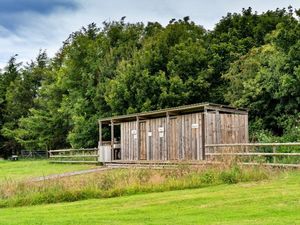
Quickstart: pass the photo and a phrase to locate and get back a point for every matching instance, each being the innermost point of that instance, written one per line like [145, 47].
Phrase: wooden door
[173, 139]
[143, 142]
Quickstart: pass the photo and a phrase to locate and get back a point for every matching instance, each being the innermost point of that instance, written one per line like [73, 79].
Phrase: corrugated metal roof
[182, 109]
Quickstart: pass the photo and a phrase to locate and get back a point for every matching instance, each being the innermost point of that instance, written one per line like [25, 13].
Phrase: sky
[26, 26]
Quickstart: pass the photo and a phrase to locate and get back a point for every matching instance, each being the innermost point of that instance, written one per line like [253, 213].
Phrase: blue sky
[41, 6]
[29, 25]
[11, 10]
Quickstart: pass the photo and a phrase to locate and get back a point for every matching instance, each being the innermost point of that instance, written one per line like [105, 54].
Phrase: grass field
[275, 201]
[122, 182]
[34, 168]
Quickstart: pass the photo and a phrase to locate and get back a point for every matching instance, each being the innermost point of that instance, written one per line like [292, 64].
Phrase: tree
[262, 82]
[234, 36]
[248, 60]
[19, 97]
[7, 78]
[170, 69]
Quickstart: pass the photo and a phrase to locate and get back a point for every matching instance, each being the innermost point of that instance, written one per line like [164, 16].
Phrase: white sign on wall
[149, 134]
[133, 131]
[135, 136]
[195, 125]
[161, 129]
[161, 135]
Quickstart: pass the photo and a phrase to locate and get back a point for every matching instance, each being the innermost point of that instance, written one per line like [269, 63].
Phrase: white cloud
[36, 31]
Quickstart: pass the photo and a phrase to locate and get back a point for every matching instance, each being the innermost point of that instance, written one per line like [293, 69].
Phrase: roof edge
[203, 106]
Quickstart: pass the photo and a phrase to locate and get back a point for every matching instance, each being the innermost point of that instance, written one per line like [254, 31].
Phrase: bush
[232, 176]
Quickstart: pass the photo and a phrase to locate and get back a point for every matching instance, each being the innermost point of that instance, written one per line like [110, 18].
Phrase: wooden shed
[178, 133]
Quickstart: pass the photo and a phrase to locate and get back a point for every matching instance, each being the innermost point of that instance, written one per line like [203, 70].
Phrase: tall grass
[119, 182]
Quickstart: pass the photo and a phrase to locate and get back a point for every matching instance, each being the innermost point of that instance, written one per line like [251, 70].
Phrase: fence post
[274, 156]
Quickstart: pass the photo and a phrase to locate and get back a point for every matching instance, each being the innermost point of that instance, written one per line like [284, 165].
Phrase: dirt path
[69, 174]
[104, 168]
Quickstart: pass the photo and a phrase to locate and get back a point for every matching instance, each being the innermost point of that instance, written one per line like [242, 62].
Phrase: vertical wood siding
[232, 128]
[184, 140]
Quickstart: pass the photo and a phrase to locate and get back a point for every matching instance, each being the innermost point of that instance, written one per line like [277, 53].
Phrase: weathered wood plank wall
[182, 139]
[129, 141]
[232, 128]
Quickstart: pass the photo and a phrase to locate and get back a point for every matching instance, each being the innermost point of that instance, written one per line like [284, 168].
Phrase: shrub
[232, 176]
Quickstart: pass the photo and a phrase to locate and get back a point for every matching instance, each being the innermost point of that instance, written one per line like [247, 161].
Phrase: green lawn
[274, 201]
[33, 168]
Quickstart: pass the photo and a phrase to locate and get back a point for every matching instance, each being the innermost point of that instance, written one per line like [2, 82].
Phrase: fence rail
[254, 144]
[82, 155]
[34, 154]
[255, 154]
[265, 153]
[73, 149]
[283, 154]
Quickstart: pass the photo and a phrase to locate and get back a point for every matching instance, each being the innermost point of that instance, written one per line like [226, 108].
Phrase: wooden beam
[112, 138]
[218, 127]
[156, 164]
[167, 155]
[143, 118]
[75, 156]
[228, 110]
[172, 113]
[246, 129]
[253, 154]
[204, 115]
[100, 133]
[115, 124]
[73, 149]
[67, 161]
[254, 144]
[138, 137]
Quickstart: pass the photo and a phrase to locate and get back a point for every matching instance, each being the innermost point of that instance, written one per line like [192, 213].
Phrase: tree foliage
[248, 60]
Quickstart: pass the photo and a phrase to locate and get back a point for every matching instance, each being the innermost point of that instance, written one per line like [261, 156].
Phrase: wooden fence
[277, 154]
[34, 154]
[83, 155]
[274, 154]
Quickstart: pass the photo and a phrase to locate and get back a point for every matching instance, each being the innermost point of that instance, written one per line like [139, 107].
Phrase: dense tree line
[248, 60]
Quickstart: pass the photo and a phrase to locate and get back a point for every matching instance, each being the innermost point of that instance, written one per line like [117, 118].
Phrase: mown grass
[273, 201]
[125, 182]
[24, 169]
